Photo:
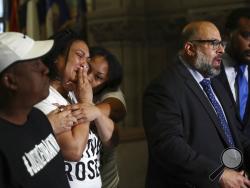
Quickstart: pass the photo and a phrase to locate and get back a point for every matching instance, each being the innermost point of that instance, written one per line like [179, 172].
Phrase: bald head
[198, 30]
[202, 47]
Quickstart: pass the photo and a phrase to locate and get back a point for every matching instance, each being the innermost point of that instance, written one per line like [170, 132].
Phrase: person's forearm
[105, 129]
[73, 142]
[113, 108]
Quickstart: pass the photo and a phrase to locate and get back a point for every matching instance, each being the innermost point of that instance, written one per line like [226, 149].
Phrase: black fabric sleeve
[3, 174]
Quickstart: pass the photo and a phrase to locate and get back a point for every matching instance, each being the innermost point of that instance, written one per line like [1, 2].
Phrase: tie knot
[205, 83]
[242, 69]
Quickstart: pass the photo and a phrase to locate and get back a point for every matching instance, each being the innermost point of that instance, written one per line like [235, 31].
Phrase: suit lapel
[223, 78]
[200, 95]
[246, 116]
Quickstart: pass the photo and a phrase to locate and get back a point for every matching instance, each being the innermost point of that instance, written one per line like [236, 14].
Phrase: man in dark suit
[188, 123]
[235, 71]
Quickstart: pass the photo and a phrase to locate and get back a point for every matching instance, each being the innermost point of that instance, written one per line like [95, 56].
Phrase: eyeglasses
[214, 43]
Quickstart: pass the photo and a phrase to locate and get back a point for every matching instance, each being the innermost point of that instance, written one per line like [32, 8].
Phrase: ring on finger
[61, 109]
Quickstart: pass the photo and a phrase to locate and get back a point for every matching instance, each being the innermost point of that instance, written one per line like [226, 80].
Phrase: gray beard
[204, 66]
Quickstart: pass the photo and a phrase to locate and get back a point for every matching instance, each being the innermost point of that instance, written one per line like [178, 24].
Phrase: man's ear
[9, 81]
[190, 49]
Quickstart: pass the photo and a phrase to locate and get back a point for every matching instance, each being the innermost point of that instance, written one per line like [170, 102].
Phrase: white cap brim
[39, 49]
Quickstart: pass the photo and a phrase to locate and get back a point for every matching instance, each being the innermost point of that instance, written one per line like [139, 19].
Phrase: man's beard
[204, 65]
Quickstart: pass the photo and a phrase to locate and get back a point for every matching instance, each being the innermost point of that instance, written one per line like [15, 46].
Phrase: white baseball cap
[16, 46]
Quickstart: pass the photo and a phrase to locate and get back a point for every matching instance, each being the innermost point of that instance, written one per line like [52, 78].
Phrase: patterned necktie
[242, 90]
[206, 84]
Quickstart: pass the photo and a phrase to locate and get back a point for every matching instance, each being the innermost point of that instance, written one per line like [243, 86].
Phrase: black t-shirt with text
[30, 155]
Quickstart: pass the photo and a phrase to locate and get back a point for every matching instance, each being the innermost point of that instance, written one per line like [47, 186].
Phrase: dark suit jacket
[244, 127]
[185, 140]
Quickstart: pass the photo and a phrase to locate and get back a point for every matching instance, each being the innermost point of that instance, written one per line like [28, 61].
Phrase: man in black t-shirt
[29, 153]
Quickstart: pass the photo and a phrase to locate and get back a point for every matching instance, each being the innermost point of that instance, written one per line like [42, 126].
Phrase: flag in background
[81, 20]
[52, 15]
[42, 18]
[22, 14]
[78, 11]
[32, 22]
[81, 8]
[13, 19]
